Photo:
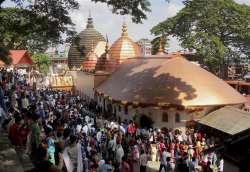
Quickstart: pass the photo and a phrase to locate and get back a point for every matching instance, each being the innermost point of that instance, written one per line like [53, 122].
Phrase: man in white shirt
[163, 158]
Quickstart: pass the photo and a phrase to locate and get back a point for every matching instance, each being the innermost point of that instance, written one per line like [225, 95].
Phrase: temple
[96, 68]
[88, 40]
[167, 90]
[124, 48]
[162, 90]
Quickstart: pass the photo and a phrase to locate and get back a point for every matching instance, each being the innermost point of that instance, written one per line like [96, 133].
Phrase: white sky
[110, 24]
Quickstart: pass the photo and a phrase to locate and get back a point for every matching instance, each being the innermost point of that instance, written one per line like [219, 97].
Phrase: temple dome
[124, 47]
[89, 63]
[169, 80]
[106, 63]
[82, 44]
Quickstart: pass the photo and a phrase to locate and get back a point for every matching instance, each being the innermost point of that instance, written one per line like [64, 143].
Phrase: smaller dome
[90, 62]
[106, 62]
[124, 47]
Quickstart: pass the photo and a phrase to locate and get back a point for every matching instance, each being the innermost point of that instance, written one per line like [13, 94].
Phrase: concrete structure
[145, 46]
[167, 89]
[82, 45]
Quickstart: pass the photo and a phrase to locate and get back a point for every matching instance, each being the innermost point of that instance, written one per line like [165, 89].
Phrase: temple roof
[124, 47]
[19, 57]
[82, 44]
[167, 80]
[105, 62]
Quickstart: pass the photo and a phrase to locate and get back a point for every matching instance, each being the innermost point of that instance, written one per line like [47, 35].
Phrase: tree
[42, 62]
[37, 24]
[215, 29]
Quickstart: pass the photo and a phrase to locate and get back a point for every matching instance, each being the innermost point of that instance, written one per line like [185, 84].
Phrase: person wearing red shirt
[14, 133]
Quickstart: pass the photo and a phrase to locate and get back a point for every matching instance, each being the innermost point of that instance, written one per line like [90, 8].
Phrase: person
[163, 159]
[35, 134]
[44, 163]
[192, 165]
[119, 153]
[143, 161]
[73, 156]
[124, 166]
[14, 134]
[221, 164]
[51, 145]
[207, 167]
[105, 167]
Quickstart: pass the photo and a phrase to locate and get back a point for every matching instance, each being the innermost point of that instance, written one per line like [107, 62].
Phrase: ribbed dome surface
[83, 44]
[124, 48]
[168, 80]
[89, 63]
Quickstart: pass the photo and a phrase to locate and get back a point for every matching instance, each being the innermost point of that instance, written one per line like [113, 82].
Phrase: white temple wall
[156, 114]
[84, 83]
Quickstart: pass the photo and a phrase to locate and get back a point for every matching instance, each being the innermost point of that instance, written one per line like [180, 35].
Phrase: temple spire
[90, 21]
[124, 28]
[161, 49]
[90, 13]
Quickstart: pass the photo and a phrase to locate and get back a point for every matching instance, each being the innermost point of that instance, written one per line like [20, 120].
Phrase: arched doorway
[146, 122]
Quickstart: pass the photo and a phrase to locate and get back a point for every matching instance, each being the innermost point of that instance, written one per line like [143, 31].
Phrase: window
[165, 117]
[177, 117]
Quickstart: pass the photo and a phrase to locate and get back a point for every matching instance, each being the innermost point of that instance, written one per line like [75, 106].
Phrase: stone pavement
[9, 161]
[153, 166]
[12, 160]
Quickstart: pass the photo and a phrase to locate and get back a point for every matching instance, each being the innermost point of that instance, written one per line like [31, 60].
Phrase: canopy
[229, 120]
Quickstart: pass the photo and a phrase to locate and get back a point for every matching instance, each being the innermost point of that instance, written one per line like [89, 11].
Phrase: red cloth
[131, 129]
[14, 134]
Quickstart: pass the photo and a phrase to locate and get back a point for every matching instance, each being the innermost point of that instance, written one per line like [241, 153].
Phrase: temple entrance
[146, 122]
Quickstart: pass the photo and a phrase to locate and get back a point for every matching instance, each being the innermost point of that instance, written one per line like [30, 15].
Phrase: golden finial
[161, 49]
[161, 45]
[90, 13]
[178, 54]
[124, 28]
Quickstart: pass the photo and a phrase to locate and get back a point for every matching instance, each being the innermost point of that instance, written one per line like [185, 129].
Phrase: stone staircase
[11, 159]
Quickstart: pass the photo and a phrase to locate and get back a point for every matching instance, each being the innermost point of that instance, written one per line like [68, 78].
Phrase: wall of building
[86, 82]
[156, 114]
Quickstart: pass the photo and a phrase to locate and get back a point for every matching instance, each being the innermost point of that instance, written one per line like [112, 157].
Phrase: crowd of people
[61, 131]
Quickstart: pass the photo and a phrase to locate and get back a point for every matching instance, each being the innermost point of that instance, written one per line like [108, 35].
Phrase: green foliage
[37, 24]
[215, 29]
[42, 62]
[4, 56]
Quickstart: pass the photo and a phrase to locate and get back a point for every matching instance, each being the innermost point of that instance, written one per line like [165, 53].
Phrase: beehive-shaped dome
[124, 47]
[83, 43]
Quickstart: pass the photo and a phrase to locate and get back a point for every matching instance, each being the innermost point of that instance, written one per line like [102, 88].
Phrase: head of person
[73, 139]
[18, 119]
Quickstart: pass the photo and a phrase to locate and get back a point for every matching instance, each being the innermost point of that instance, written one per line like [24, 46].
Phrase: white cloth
[221, 165]
[68, 161]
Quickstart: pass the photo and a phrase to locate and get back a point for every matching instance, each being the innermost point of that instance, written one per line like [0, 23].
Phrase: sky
[110, 24]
